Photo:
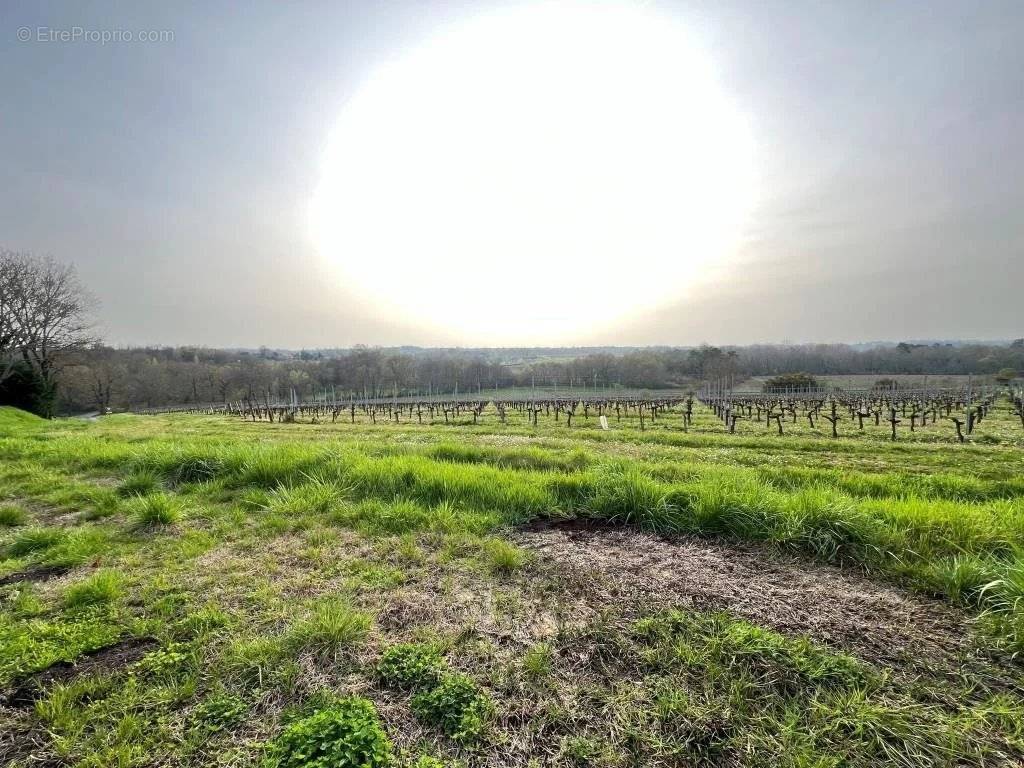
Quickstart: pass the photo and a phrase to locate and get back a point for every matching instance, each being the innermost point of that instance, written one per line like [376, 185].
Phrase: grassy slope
[265, 561]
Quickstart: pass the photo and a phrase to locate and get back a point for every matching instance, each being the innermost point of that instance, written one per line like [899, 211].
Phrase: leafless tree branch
[44, 313]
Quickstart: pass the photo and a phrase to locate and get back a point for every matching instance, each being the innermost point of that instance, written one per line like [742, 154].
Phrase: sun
[535, 174]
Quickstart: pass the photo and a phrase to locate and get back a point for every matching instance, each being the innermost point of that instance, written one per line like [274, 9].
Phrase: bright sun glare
[537, 173]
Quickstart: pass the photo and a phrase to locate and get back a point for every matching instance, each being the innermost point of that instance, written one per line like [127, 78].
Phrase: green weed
[411, 665]
[457, 706]
[346, 735]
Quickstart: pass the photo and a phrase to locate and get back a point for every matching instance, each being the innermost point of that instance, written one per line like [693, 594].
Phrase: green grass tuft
[502, 557]
[332, 627]
[157, 511]
[102, 587]
[33, 540]
[141, 482]
[12, 516]
[537, 661]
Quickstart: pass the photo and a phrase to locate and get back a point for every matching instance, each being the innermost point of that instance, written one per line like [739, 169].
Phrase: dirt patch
[842, 609]
[110, 658]
[41, 573]
[24, 742]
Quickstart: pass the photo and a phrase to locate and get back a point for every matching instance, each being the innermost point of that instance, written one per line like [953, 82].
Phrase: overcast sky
[177, 174]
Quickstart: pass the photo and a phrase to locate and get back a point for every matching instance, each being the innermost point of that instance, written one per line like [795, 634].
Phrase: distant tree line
[51, 361]
[101, 377]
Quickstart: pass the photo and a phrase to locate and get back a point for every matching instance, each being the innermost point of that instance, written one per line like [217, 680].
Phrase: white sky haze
[324, 174]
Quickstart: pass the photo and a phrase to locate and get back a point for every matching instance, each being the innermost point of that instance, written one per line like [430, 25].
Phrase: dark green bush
[27, 390]
[457, 706]
[348, 734]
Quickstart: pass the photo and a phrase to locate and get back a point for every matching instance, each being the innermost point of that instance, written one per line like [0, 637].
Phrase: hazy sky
[178, 174]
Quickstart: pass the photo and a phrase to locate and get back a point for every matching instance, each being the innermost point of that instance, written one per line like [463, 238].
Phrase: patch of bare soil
[112, 657]
[40, 573]
[23, 742]
[839, 608]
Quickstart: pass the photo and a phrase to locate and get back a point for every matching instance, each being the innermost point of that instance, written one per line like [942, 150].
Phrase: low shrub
[791, 382]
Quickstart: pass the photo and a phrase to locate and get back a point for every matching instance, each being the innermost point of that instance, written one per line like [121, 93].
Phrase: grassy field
[185, 590]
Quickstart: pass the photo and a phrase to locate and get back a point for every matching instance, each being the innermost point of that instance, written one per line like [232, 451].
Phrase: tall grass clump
[626, 495]
[102, 503]
[514, 458]
[194, 467]
[12, 516]
[965, 579]
[502, 557]
[79, 547]
[100, 588]
[34, 540]
[158, 510]
[514, 495]
[140, 482]
[269, 466]
[731, 504]
[392, 518]
[331, 627]
[1006, 593]
[829, 527]
[315, 495]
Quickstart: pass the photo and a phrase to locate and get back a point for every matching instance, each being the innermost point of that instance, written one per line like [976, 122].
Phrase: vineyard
[899, 411]
[716, 578]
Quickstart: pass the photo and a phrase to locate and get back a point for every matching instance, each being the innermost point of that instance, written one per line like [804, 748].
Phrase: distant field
[197, 590]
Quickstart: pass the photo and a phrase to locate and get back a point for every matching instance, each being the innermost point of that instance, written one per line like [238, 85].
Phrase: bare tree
[44, 315]
[12, 293]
